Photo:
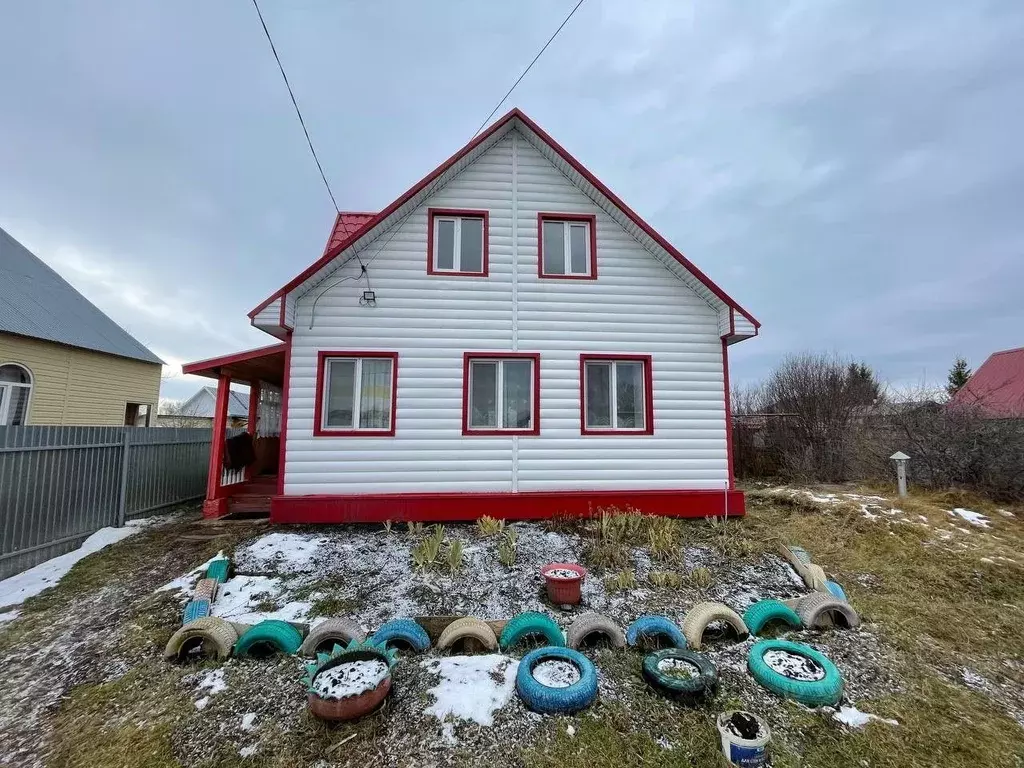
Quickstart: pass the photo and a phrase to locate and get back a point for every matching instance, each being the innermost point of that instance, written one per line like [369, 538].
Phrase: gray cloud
[849, 171]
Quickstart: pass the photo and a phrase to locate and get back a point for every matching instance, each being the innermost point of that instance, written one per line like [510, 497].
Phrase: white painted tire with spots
[465, 629]
[823, 611]
[702, 614]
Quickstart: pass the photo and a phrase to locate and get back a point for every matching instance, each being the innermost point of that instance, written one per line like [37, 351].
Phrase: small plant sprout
[414, 529]
[621, 581]
[507, 553]
[663, 537]
[488, 526]
[665, 579]
[419, 556]
[512, 537]
[455, 556]
[700, 577]
[387, 526]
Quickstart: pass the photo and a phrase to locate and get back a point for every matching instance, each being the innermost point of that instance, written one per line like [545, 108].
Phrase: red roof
[514, 114]
[997, 387]
[345, 225]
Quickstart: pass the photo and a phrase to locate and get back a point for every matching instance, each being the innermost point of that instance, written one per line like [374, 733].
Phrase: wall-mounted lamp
[369, 299]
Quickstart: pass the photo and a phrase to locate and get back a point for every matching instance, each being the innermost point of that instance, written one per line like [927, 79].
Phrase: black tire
[689, 690]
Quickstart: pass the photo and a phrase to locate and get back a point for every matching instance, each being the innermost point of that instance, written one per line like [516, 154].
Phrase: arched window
[15, 390]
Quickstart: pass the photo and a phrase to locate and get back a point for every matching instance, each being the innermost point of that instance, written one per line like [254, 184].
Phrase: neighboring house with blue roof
[62, 361]
[199, 409]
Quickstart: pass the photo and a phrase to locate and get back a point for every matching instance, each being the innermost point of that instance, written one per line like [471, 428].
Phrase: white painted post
[901, 460]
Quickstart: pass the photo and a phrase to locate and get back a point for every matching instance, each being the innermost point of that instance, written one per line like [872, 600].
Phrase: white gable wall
[637, 306]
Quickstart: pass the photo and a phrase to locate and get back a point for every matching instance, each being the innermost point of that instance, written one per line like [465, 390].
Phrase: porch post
[254, 409]
[215, 505]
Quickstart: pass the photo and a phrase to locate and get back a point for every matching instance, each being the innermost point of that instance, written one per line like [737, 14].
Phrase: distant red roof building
[345, 225]
[997, 387]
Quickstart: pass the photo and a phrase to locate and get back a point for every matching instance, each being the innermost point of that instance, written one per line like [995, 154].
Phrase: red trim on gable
[467, 358]
[648, 394]
[589, 218]
[531, 505]
[237, 357]
[494, 128]
[728, 413]
[432, 213]
[282, 454]
[319, 430]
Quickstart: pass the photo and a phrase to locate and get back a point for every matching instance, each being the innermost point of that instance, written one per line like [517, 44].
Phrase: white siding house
[628, 352]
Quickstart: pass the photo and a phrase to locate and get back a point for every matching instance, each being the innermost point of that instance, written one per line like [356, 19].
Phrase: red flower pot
[564, 582]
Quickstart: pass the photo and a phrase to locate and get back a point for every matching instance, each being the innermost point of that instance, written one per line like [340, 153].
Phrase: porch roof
[263, 364]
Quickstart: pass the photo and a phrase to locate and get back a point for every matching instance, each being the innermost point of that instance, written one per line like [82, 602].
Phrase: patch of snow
[678, 668]
[248, 720]
[213, 682]
[201, 703]
[238, 597]
[18, 588]
[922, 518]
[794, 666]
[184, 585]
[247, 751]
[556, 673]
[974, 518]
[854, 718]
[794, 576]
[569, 729]
[349, 679]
[286, 551]
[988, 560]
[9, 615]
[1006, 513]
[867, 512]
[562, 573]
[472, 687]
[860, 497]
[973, 679]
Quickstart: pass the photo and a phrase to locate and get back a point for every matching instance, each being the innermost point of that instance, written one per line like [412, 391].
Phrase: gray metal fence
[58, 485]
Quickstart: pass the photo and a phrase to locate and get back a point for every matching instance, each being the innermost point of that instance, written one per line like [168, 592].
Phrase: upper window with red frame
[457, 242]
[567, 246]
[501, 394]
[355, 393]
[616, 395]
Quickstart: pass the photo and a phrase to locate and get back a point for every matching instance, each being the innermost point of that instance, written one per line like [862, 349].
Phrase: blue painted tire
[655, 626]
[813, 693]
[836, 590]
[556, 701]
[404, 631]
[196, 609]
[272, 633]
[531, 624]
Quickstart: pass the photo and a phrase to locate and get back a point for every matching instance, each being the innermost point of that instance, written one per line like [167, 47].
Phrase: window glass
[341, 393]
[375, 394]
[14, 374]
[444, 255]
[554, 248]
[471, 249]
[518, 376]
[599, 387]
[629, 396]
[578, 249]
[483, 394]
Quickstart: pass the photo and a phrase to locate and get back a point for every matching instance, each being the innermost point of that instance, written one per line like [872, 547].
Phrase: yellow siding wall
[72, 386]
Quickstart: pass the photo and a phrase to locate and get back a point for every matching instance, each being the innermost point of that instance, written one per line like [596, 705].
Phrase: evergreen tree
[958, 376]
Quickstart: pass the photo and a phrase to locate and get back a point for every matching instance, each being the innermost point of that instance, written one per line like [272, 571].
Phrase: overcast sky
[851, 172]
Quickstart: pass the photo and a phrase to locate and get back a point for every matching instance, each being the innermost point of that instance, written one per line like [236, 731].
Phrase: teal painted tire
[764, 612]
[813, 693]
[218, 569]
[837, 591]
[691, 690]
[531, 623]
[556, 701]
[268, 636]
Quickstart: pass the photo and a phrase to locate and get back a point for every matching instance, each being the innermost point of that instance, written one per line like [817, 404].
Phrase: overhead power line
[298, 112]
[528, 68]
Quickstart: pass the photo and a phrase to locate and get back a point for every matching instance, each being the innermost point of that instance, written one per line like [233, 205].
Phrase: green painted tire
[531, 623]
[690, 690]
[218, 569]
[764, 612]
[813, 693]
[270, 634]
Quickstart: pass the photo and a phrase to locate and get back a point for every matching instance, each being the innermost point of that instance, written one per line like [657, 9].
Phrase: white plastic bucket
[749, 753]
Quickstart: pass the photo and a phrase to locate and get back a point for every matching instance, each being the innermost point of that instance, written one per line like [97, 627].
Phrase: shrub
[700, 577]
[621, 581]
[665, 579]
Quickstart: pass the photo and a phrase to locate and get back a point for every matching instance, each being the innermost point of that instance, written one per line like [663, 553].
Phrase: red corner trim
[237, 357]
[648, 394]
[464, 213]
[470, 356]
[728, 413]
[319, 430]
[561, 151]
[591, 219]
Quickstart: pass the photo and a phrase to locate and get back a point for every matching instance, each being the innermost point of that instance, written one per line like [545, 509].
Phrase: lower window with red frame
[616, 395]
[501, 393]
[355, 394]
